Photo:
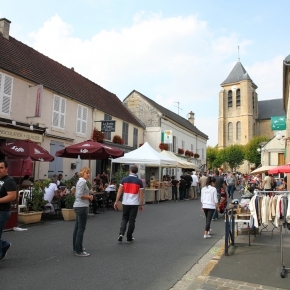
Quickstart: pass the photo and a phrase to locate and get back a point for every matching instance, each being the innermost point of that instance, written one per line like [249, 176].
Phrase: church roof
[287, 59]
[237, 74]
[173, 116]
[270, 108]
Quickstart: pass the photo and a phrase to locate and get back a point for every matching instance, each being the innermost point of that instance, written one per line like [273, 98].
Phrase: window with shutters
[182, 144]
[125, 133]
[58, 114]
[238, 98]
[6, 86]
[82, 119]
[107, 134]
[135, 138]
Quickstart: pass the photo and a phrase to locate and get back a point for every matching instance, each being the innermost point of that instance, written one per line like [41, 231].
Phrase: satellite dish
[234, 88]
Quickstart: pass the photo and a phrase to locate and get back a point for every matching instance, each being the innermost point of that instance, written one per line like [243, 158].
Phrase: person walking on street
[194, 185]
[81, 208]
[188, 180]
[8, 194]
[231, 183]
[182, 188]
[174, 183]
[202, 181]
[132, 188]
[219, 184]
[209, 203]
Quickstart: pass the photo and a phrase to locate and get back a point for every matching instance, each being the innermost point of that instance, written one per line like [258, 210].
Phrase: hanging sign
[108, 126]
[167, 136]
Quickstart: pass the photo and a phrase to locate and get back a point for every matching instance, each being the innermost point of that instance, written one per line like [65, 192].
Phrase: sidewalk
[253, 267]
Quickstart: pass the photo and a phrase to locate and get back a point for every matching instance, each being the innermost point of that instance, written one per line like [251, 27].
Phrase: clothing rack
[284, 194]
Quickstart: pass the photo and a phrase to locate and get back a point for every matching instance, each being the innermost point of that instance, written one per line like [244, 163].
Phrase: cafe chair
[111, 199]
[23, 193]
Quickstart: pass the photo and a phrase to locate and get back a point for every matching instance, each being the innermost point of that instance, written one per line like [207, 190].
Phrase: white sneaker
[210, 230]
[207, 236]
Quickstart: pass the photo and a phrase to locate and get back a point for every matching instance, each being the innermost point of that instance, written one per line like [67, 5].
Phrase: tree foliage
[251, 153]
[211, 156]
[234, 155]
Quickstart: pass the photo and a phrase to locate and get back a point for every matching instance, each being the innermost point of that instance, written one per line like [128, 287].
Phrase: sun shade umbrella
[90, 150]
[280, 169]
[23, 149]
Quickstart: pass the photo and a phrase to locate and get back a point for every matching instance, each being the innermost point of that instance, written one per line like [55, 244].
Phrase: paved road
[169, 241]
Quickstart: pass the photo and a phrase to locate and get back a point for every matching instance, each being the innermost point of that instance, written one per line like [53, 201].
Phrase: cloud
[175, 59]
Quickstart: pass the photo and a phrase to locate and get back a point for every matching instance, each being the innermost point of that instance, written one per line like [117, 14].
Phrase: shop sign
[166, 137]
[278, 123]
[22, 135]
[108, 126]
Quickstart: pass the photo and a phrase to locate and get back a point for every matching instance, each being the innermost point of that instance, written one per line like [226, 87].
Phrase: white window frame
[6, 88]
[58, 114]
[82, 120]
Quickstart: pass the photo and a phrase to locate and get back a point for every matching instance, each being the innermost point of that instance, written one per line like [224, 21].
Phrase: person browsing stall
[132, 188]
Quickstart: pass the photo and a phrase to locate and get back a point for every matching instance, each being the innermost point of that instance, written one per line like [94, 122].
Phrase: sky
[176, 53]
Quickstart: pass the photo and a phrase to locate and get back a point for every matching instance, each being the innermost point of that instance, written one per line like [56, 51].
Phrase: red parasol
[280, 169]
[22, 149]
[90, 150]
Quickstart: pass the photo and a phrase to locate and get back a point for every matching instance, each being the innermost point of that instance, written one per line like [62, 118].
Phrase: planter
[30, 217]
[68, 214]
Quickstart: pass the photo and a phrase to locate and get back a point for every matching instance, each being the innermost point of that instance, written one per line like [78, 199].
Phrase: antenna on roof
[177, 107]
[238, 53]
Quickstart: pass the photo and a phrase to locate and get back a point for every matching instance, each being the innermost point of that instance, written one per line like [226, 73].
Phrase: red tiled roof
[22, 60]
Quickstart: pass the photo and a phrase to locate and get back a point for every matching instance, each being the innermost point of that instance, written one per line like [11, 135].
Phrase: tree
[220, 159]
[251, 153]
[211, 156]
[234, 155]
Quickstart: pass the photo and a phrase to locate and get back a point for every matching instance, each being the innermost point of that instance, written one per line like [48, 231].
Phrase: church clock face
[234, 88]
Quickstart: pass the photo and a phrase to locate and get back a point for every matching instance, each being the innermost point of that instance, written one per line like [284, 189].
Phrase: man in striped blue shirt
[132, 188]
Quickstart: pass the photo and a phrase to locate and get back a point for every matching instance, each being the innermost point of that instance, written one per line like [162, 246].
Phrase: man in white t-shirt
[194, 185]
[267, 182]
[49, 194]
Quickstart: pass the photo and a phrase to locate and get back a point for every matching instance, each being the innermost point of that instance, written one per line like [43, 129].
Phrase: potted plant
[187, 153]
[98, 135]
[118, 177]
[117, 139]
[195, 155]
[163, 146]
[180, 151]
[68, 212]
[34, 203]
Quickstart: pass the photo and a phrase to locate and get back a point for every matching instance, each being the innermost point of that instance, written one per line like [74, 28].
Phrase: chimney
[190, 117]
[4, 27]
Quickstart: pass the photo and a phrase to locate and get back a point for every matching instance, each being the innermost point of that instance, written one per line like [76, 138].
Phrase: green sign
[278, 123]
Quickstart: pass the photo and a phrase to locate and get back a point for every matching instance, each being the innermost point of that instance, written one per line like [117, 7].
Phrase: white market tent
[147, 156]
[181, 163]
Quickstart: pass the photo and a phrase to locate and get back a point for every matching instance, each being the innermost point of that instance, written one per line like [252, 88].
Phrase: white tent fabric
[262, 169]
[181, 163]
[147, 156]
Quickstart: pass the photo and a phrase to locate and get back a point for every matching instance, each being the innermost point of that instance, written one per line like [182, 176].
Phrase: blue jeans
[129, 215]
[230, 189]
[174, 193]
[4, 217]
[80, 226]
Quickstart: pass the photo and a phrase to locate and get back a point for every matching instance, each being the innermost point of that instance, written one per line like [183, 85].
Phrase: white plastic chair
[24, 201]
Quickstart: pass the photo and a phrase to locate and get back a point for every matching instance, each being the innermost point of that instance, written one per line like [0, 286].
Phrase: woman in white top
[209, 203]
[81, 208]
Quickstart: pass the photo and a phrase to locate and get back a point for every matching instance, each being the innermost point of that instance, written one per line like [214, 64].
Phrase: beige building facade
[241, 115]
